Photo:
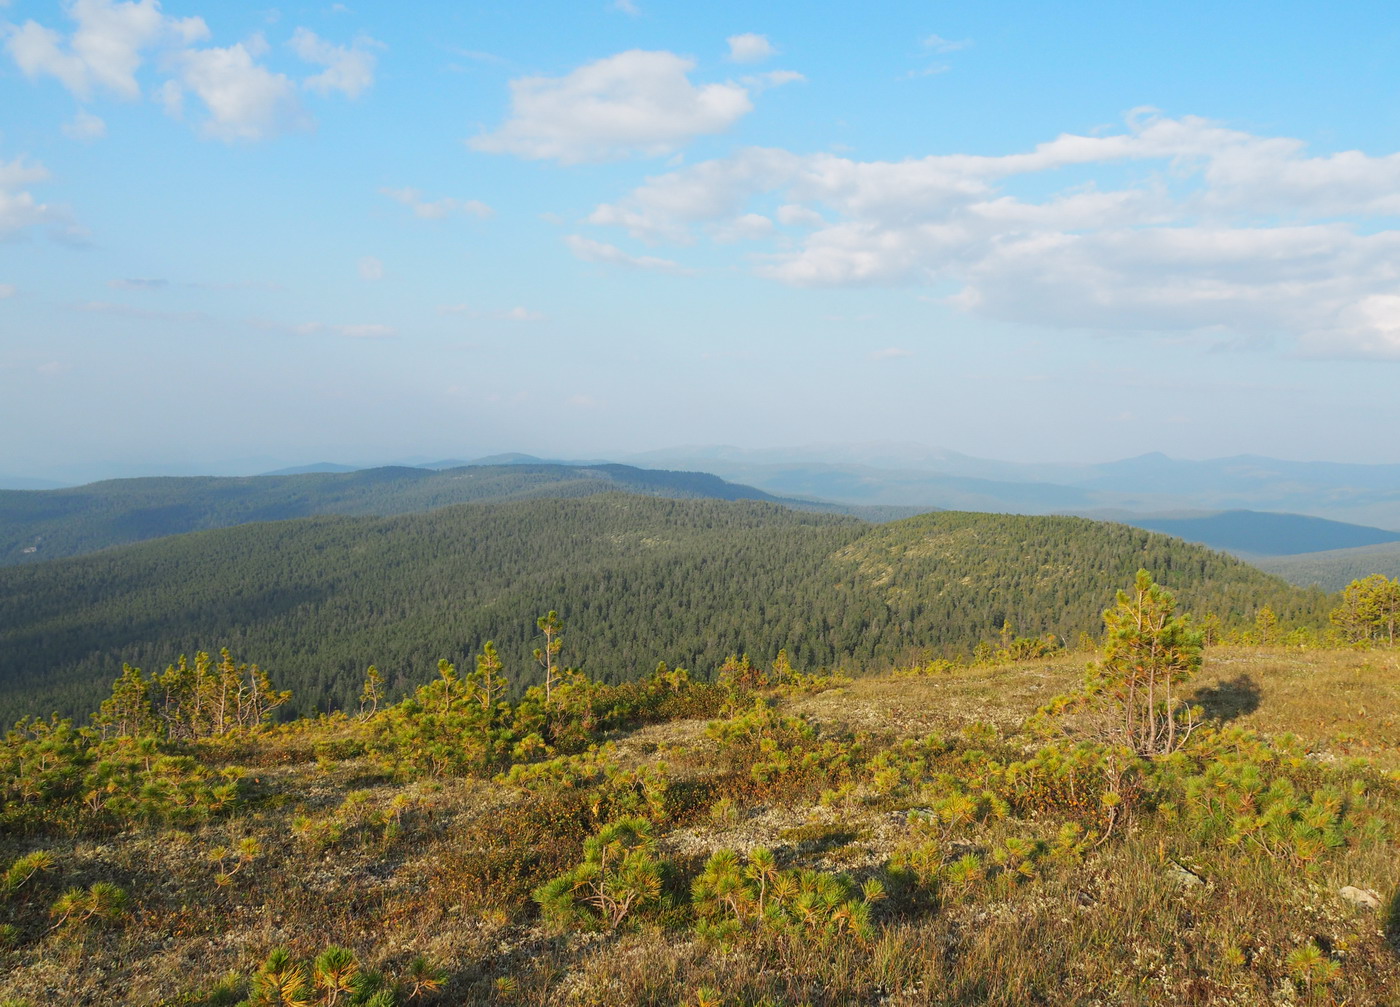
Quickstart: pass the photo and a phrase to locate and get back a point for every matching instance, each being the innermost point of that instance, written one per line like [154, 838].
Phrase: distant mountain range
[1252, 534]
[1251, 506]
[1150, 484]
[49, 524]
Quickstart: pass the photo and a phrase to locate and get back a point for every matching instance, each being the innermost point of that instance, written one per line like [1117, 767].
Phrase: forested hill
[38, 525]
[636, 579]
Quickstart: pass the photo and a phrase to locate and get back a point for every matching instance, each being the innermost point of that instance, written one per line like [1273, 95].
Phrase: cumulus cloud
[589, 250]
[746, 227]
[106, 47]
[349, 69]
[749, 48]
[794, 215]
[635, 102]
[245, 100]
[112, 40]
[1221, 230]
[370, 268]
[437, 209]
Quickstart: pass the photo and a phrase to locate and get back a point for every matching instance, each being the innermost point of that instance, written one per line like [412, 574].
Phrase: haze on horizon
[233, 240]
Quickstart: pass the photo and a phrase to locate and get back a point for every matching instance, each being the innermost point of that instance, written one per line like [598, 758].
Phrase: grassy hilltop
[916, 838]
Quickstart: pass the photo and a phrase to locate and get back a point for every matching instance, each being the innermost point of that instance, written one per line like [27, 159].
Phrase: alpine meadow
[699, 505]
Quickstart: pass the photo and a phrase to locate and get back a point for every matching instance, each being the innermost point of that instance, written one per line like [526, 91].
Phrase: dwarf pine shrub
[619, 877]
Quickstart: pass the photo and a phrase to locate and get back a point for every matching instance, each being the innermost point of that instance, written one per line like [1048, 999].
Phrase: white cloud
[517, 314]
[1219, 230]
[793, 215]
[437, 209]
[105, 49]
[370, 268]
[138, 283]
[774, 78]
[932, 70]
[749, 48]
[891, 353]
[664, 206]
[626, 7]
[21, 171]
[938, 43]
[364, 331]
[357, 331]
[245, 100]
[172, 98]
[7, 290]
[349, 69]
[143, 314]
[20, 211]
[635, 102]
[85, 127]
[589, 250]
[113, 39]
[746, 227]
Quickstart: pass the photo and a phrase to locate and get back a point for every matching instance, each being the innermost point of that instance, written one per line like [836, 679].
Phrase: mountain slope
[637, 580]
[1334, 570]
[40, 525]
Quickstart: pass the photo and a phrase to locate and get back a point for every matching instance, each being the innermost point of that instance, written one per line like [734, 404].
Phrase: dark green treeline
[636, 579]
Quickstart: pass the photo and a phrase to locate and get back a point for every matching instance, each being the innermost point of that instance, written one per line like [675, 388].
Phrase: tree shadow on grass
[1238, 697]
[1390, 921]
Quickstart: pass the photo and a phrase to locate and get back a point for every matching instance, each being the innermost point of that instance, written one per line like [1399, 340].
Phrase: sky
[234, 238]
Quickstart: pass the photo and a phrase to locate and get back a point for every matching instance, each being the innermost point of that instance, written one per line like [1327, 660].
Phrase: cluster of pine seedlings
[677, 842]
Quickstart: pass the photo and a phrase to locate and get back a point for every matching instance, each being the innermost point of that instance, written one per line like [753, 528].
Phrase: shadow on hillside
[1238, 697]
[1391, 924]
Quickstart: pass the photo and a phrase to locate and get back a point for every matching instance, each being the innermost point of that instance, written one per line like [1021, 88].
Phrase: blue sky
[233, 238]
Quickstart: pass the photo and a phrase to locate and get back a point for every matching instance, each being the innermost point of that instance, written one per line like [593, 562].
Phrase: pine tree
[1148, 651]
[548, 655]
[372, 692]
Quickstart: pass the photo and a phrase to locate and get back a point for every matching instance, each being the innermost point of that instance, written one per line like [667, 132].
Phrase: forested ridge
[637, 579]
[37, 525]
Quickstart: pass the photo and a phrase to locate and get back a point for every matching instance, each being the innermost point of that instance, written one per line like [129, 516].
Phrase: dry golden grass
[1115, 926]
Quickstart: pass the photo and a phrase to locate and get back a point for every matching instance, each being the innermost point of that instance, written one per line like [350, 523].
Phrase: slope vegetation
[637, 580]
[1336, 568]
[907, 839]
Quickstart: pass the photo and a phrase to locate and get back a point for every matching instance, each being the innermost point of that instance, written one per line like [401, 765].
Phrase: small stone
[1183, 876]
[1361, 897]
